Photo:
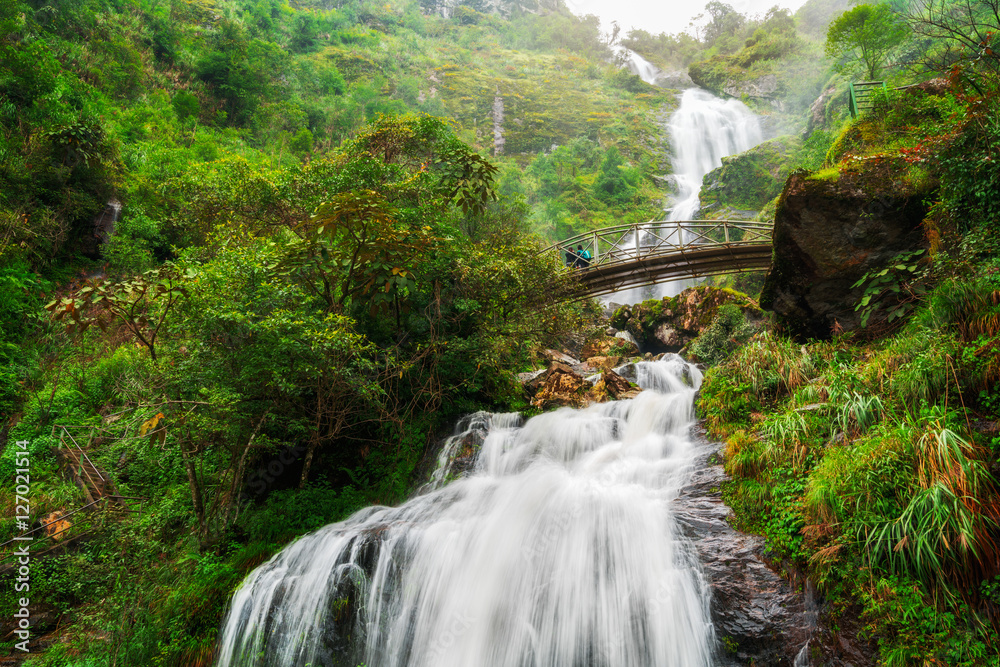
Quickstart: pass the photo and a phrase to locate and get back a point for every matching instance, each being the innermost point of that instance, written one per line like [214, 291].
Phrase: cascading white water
[703, 130]
[558, 550]
[638, 65]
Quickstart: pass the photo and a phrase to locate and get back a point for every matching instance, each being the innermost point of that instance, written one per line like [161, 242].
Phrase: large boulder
[670, 323]
[830, 229]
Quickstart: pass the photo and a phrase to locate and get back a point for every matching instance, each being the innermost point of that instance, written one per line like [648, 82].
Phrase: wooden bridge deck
[647, 253]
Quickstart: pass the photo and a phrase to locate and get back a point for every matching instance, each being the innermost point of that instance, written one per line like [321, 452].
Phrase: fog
[671, 16]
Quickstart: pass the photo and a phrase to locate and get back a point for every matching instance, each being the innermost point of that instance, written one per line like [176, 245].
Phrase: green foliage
[135, 244]
[867, 34]
[744, 51]
[242, 71]
[872, 465]
[749, 180]
[900, 286]
[728, 331]
[130, 302]
[186, 105]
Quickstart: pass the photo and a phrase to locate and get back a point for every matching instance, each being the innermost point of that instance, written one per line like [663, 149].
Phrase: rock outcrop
[561, 385]
[763, 87]
[818, 110]
[828, 233]
[746, 182]
[671, 323]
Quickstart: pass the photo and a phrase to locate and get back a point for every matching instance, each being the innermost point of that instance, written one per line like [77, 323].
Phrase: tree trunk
[307, 462]
[196, 499]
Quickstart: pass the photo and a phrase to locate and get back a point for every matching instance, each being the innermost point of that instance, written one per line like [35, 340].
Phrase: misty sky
[670, 16]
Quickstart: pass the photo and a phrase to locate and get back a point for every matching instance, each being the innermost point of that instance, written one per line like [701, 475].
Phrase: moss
[748, 181]
[830, 175]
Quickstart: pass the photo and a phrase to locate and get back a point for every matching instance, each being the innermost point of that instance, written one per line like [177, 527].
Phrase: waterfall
[703, 130]
[636, 64]
[558, 549]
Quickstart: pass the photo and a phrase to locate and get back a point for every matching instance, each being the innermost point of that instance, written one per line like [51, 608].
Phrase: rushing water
[558, 549]
[638, 65]
[703, 130]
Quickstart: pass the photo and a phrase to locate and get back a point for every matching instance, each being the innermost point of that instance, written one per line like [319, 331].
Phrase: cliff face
[828, 233]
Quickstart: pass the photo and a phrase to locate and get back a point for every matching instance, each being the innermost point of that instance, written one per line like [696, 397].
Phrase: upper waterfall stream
[560, 548]
[703, 130]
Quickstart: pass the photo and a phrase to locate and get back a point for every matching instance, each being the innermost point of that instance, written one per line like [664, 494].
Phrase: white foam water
[558, 549]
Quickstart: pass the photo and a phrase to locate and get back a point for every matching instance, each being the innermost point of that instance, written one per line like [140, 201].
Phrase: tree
[130, 302]
[967, 31]
[867, 33]
[725, 21]
[258, 365]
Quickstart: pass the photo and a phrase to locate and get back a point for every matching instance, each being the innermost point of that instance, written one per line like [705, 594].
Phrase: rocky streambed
[760, 618]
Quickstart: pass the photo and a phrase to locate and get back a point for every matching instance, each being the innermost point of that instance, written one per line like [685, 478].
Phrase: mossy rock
[671, 322]
[749, 180]
[828, 233]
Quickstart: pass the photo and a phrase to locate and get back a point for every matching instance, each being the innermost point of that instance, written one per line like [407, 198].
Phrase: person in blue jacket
[585, 257]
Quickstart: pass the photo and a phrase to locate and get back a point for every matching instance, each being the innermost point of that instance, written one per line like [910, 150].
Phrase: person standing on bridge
[584, 257]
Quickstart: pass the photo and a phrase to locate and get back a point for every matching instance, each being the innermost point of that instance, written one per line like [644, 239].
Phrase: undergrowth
[871, 467]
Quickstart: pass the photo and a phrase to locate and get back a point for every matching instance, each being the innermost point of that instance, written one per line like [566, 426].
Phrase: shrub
[727, 332]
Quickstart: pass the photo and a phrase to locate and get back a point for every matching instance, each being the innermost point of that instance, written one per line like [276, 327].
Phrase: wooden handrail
[104, 499]
[644, 253]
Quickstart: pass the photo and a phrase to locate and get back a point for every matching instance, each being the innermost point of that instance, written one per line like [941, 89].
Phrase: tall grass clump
[772, 365]
[856, 413]
[970, 307]
[947, 532]
[917, 369]
[746, 456]
[868, 478]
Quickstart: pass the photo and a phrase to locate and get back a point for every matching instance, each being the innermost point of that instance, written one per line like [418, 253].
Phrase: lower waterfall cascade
[558, 548]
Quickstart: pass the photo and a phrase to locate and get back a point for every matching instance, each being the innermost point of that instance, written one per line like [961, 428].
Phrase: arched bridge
[653, 252]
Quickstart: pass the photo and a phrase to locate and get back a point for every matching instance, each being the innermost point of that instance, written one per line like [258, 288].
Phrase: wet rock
[628, 371]
[562, 387]
[617, 386]
[817, 112]
[828, 233]
[673, 322]
[597, 347]
[669, 337]
[604, 363]
[679, 79]
[756, 613]
[604, 343]
[765, 87]
[759, 617]
[526, 378]
[562, 357]
[103, 227]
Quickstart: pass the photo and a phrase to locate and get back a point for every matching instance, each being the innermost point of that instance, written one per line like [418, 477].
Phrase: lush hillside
[256, 257]
[282, 251]
[869, 457]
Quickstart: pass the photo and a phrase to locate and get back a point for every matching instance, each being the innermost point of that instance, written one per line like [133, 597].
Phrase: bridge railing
[638, 241]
